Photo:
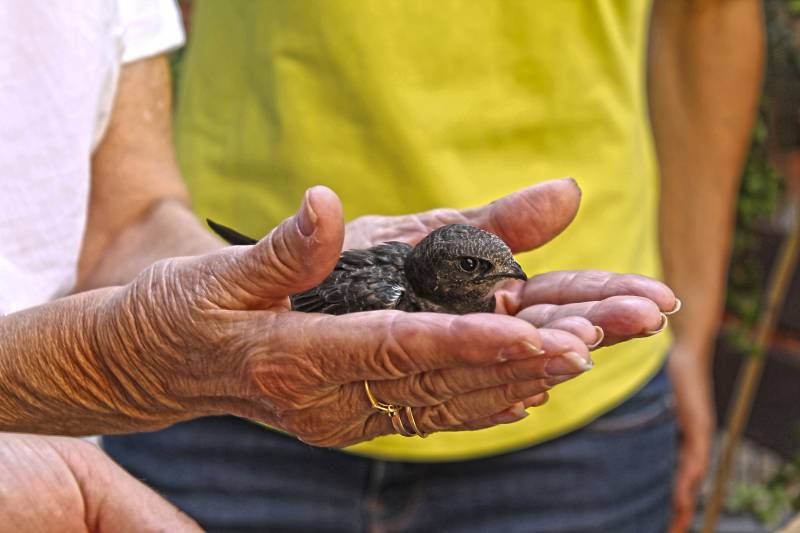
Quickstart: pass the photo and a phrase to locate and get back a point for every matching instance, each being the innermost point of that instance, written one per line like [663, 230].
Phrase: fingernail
[510, 415]
[600, 336]
[520, 351]
[307, 218]
[567, 364]
[662, 327]
[678, 305]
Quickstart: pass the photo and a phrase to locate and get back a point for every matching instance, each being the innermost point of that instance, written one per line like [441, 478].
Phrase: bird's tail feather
[231, 236]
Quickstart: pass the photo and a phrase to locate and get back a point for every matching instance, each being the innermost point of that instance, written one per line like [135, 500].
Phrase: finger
[295, 256]
[573, 286]
[515, 413]
[380, 345]
[380, 424]
[524, 219]
[620, 317]
[530, 217]
[461, 410]
[564, 355]
[582, 328]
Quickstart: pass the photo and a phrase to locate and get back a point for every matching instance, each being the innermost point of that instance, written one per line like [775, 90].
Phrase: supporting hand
[69, 485]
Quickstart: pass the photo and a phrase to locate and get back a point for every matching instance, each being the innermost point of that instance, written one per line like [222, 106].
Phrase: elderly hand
[69, 485]
[214, 334]
[623, 306]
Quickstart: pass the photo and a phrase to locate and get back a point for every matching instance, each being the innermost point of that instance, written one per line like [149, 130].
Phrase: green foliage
[772, 500]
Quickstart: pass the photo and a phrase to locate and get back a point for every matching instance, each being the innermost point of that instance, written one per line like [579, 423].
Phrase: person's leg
[234, 476]
[613, 475]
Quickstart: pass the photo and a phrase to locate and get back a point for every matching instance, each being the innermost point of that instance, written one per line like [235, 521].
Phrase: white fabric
[59, 66]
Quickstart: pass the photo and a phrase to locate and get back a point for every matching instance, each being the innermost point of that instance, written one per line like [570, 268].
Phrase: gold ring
[399, 427]
[410, 415]
[387, 408]
[394, 414]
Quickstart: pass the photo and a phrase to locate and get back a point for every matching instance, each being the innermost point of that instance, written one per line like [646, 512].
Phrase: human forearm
[58, 374]
[138, 210]
[168, 229]
[705, 70]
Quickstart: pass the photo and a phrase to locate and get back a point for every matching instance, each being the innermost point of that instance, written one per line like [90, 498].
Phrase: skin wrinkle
[74, 390]
[423, 389]
[391, 355]
[137, 386]
[252, 289]
[279, 273]
[288, 379]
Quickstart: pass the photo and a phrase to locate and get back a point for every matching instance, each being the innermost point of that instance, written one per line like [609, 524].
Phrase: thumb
[295, 256]
[532, 216]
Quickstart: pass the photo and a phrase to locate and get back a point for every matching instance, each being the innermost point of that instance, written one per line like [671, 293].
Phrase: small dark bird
[454, 269]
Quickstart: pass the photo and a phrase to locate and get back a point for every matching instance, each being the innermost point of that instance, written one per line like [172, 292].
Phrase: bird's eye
[468, 264]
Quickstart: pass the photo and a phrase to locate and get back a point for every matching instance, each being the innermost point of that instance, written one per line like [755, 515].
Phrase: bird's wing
[230, 235]
[363, 280]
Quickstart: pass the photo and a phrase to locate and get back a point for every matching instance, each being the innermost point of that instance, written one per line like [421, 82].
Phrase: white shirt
[59, 66]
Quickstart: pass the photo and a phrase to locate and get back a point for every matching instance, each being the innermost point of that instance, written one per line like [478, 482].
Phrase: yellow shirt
[402, 106]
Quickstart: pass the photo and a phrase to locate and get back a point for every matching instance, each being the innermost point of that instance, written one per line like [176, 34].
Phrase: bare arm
[705, 71]
[138, 210]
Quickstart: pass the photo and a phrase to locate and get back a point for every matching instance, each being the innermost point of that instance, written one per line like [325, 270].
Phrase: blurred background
[763, 491]
[765, 483]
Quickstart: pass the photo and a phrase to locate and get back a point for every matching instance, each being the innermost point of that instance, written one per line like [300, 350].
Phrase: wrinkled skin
[220, 338]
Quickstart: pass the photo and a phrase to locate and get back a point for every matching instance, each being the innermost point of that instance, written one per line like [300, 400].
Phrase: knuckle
[509, 393]
[439, 418]
[513, 371]
[426, 388]
[392, 355]
[309, 429]
[285, 387]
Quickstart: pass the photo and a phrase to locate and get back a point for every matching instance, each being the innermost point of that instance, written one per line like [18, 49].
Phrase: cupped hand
[622, 306]
[65, 484]
[214, 334]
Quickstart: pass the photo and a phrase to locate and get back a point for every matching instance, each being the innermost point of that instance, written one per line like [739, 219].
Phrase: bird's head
[458, 266]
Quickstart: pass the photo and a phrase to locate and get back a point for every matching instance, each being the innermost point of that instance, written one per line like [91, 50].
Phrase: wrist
[132, 352]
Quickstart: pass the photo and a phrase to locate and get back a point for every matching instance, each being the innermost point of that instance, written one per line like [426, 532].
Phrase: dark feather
[432, 276]
[230, 235]
[363, 280]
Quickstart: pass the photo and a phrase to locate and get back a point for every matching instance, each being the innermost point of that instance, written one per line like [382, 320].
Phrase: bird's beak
[515, 272]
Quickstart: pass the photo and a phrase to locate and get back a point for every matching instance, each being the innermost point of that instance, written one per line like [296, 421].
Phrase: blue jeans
[613, 475]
